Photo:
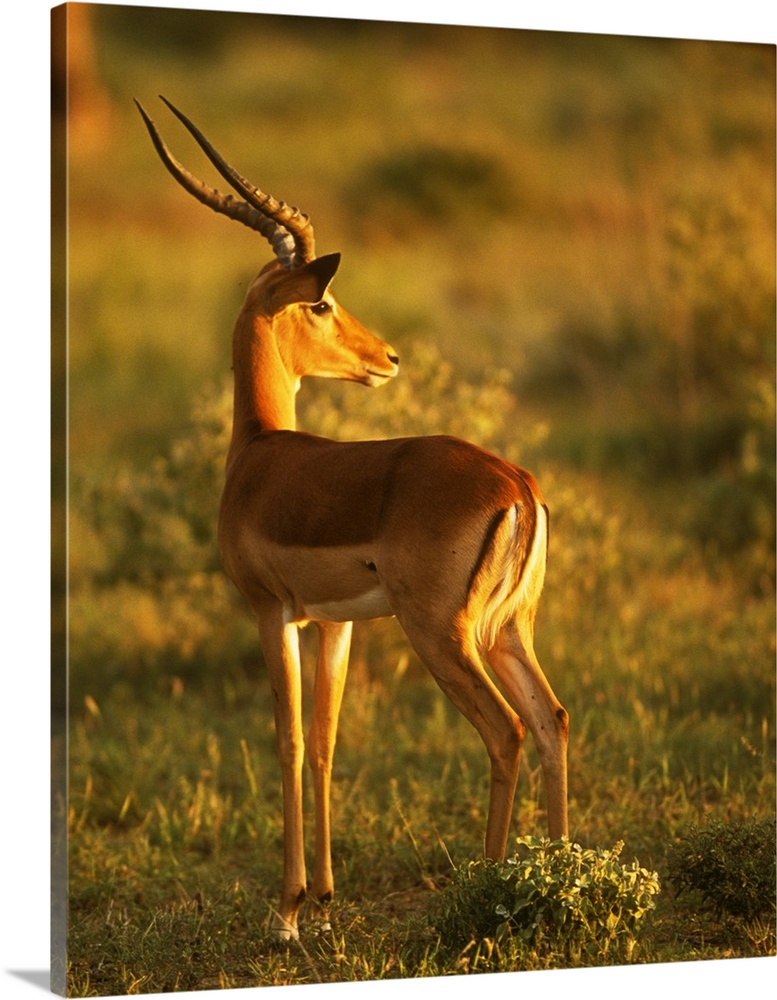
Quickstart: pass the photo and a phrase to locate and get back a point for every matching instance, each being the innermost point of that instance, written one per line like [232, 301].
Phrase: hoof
[284, 931]
[287, 933]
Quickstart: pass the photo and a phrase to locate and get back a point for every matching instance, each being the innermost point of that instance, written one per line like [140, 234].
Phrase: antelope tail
[508, 578]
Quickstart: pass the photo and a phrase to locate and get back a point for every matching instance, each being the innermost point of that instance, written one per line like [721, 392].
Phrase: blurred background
[581, 227]
[570, 239]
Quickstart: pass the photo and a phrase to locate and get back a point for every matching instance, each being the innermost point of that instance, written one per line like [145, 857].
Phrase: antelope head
[316, 336]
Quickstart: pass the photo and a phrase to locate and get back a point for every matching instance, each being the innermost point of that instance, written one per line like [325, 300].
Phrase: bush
[148, 595]
[731, 866]
[582, 905]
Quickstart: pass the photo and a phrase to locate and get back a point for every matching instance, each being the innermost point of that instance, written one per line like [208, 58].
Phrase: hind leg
[457, 668]
[514, 662]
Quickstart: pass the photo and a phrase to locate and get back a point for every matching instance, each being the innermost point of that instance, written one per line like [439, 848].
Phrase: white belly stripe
[371, 604]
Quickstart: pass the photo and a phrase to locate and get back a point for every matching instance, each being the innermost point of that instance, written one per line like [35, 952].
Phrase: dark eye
[321, 308]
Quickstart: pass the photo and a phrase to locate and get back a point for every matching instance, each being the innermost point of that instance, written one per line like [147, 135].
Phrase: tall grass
[571, 242]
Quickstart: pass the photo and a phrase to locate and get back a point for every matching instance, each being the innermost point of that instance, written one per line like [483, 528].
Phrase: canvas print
[413, 490]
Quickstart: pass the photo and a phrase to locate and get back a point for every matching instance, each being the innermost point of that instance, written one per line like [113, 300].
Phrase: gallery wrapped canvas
[465, 465]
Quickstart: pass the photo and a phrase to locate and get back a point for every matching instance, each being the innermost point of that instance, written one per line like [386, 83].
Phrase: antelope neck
[264, 388]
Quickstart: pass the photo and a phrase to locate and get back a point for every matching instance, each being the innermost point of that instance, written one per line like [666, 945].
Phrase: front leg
[333, 651]
[280, 645]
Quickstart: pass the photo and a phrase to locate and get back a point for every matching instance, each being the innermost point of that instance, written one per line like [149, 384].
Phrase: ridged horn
[288, 231]
[293, 221]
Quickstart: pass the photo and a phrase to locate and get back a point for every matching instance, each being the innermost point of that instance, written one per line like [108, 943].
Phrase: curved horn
[293, 221]
[282, 241]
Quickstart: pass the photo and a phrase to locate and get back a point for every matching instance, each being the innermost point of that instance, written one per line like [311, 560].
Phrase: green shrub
[148, 595]
[444, 184]
[551, 897]
[730, 865]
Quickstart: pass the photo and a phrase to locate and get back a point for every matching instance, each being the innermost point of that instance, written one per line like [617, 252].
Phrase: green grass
[175, 836]
[594, 298]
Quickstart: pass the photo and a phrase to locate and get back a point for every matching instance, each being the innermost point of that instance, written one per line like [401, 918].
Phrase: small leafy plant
[731, 866]
[582, 905]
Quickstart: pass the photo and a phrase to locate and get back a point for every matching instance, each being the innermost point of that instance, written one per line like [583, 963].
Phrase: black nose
[393, 359]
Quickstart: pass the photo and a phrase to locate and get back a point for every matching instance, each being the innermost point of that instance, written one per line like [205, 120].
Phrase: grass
[175, 837]
[605, 317]
[175, 834]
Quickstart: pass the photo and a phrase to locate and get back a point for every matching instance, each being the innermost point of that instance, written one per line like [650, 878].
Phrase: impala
[445, 536]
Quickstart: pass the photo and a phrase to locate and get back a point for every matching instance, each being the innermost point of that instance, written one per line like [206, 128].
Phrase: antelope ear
[306, 283]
